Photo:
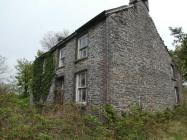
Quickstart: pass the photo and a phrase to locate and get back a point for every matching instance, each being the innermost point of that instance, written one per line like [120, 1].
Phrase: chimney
[146, 2]
[132, 1]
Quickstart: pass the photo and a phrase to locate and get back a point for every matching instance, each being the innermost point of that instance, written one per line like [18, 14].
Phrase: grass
[18, 121]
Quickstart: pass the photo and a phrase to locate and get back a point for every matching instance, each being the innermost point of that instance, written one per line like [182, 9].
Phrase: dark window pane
[83, 41]
[81, 87]
[83, 95]
[80, 95]
[177, 95]
[83, 80]
[84, 53]
[82, 44]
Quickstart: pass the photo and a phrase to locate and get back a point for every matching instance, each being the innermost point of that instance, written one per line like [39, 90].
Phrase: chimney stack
[146, 2]
[132, 1]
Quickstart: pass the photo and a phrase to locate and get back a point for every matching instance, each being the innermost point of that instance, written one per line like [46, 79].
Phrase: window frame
[177, 96]
[80, 49]
[61, 78]
[61, 58]
[172, 67]
[78, 88]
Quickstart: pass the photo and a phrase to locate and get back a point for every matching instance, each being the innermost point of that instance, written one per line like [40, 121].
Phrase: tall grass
[18, 121]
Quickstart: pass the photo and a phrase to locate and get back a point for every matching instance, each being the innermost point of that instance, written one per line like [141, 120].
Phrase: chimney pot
[146, 2]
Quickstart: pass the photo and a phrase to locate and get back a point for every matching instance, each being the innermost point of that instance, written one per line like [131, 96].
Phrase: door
[59, 92]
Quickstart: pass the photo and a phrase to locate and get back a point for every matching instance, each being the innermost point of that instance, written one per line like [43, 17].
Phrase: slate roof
[91, 23]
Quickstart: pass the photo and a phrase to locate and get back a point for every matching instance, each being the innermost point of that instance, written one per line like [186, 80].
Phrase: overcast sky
[24, 22]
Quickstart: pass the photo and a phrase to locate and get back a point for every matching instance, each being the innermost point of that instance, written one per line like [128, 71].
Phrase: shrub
[43, 73]
[19, 121]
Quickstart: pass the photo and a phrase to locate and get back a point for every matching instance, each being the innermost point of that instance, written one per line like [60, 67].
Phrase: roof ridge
[95, 19]
[113, 10]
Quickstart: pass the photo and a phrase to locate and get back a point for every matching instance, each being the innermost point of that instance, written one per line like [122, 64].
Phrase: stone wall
[139, 64]
[94, 64]
[127, 63]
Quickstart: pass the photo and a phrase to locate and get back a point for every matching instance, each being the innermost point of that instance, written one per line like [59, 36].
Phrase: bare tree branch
[3, 66]
[50, 39]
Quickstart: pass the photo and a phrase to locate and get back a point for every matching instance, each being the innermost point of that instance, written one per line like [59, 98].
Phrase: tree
[3, 67]
[24, 76]
[178, 34]
[180, 53]
[50, 39]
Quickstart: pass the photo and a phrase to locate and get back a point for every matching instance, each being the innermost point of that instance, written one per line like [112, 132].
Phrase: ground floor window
[177, 95]
[81, 87]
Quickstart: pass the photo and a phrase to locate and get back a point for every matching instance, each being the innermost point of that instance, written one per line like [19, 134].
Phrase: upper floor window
[82, 49]
[61, 58]
[81, 88]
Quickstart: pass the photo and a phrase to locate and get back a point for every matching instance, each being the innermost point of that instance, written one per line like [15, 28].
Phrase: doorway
[59, 90]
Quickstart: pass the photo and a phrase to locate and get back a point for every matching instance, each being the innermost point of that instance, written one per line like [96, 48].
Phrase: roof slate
[90, 23]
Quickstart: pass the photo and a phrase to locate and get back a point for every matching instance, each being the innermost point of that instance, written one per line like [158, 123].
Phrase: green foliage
[43, 73]
[110, 114]
[39, 53]
[24, 76]
[43, 136]
[56, 122]
[180, 53]
[178, 34]
[129, 126]
[94, 126]
[37, 79]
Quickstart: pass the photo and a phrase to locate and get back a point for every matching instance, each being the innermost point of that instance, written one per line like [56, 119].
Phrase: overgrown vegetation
[180, 53]
[43, 73]
[19, 121]
[24, 76]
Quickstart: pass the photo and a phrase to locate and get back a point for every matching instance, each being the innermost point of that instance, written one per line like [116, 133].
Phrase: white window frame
[82, 48]
[80, 89]
[61, 58]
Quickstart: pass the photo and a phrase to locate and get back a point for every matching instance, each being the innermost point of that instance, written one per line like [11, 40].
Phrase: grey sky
[24, 22]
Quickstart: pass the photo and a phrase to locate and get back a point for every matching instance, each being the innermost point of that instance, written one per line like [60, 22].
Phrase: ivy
[43, 73]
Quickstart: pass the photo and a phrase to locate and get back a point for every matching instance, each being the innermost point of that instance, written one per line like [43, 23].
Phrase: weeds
[19, 121]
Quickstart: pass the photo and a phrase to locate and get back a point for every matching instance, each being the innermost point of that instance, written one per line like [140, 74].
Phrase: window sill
[79, 60]
[177, 105]
[173, 79]
[60, 67]
[81, 103]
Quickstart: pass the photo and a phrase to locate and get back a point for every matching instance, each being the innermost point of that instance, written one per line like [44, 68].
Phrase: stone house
[116, 58]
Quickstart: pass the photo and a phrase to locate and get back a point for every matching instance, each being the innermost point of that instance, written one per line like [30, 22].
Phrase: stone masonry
[127, 61]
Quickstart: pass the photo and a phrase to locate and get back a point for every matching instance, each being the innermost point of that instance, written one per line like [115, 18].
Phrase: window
[177, 95]
[82, 47]
[81, 88]
[173, 71]
[61, 58]
[60, 83]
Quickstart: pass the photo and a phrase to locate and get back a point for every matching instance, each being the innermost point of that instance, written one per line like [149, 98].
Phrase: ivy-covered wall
[43, 73]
